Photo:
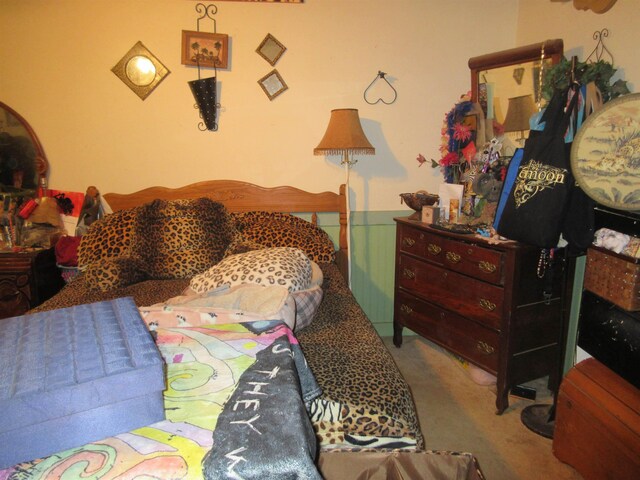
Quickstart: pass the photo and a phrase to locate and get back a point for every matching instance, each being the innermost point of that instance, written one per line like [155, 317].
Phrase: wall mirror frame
[513, 60]
[23, 163]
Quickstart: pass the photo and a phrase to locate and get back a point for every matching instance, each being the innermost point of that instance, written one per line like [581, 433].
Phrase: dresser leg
[397, 334]
[502, 400]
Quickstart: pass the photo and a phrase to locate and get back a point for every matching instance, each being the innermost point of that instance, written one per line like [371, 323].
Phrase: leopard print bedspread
[366, 403]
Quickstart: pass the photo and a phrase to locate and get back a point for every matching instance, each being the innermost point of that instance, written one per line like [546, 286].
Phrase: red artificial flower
[461, 132]
[469, 151]
[449, 159]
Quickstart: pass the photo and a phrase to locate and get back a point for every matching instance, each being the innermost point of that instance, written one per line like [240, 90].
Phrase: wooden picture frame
[271, 49]
[209, 49]
[272, 84]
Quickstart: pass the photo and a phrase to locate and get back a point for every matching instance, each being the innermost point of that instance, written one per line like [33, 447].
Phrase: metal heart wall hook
[382, 76]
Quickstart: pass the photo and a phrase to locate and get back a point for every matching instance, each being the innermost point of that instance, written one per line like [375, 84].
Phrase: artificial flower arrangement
[482, 170]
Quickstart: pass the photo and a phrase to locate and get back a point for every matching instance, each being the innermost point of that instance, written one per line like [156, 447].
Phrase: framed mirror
[140, 70]
[272, 84]
[509, 74]
[271, 49]
[23, 164]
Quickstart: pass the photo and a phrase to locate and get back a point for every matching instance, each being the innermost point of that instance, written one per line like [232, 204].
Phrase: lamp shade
[344, 134]
[519, 112]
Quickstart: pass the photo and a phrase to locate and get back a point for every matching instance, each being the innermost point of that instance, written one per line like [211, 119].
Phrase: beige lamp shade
[519, 112]
[344, 135]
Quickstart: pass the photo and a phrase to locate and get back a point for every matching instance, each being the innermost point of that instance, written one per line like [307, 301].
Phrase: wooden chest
[597, 426]
[483, 302]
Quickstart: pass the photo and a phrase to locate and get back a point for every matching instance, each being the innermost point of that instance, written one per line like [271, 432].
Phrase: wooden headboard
[245, 197]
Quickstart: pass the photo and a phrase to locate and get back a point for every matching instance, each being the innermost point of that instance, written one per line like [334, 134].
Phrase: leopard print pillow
[282, 266]
[285, 230]
[112, 273]
[108, 237]
[181, 238]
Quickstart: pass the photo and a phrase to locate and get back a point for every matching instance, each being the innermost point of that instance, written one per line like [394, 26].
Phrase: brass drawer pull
[487, 305]
[487, 267]
[408, 242]
[485, 348]
[433, 249]
[404, 308]
[453, 257]
[408, 273]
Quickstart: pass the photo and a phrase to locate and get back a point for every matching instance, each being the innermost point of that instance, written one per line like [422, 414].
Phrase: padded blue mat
[76, 375]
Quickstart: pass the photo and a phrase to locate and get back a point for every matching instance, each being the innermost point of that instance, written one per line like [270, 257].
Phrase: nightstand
[26, 280]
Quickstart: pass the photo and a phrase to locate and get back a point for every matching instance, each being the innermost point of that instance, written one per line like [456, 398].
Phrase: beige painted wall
[56, 60]
[540, 19]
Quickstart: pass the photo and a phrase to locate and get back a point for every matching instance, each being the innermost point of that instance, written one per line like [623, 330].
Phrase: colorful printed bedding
[234, 409]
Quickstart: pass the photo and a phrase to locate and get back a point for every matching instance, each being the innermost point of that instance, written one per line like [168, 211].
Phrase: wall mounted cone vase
[204, 92]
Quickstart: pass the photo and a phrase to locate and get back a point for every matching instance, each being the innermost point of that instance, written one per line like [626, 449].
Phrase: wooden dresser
[483, 302]
[26, 280]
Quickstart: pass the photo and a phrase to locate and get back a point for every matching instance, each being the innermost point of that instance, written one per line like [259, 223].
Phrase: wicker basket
[614, 277]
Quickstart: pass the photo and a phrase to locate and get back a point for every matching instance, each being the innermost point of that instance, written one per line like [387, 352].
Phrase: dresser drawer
[480, 301]
[470, 259]
[422, 244]
[464, 337]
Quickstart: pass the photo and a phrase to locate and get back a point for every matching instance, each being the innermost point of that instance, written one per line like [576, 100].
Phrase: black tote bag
[536, 206]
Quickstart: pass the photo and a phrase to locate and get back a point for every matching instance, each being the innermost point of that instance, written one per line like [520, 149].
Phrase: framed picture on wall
[205, 49]
[272, 84]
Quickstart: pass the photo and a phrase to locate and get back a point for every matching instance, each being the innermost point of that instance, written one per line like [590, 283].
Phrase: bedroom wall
[56, 59]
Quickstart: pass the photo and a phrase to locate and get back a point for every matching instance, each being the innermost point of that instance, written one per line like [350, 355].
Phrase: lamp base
[539, 419]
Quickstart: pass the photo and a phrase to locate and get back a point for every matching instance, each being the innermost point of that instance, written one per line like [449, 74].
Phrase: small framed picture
[271, 49]
[272, 84]
[205, 49]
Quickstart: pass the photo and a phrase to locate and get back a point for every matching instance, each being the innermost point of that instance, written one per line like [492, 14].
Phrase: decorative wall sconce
[140, 70]
[271, 49]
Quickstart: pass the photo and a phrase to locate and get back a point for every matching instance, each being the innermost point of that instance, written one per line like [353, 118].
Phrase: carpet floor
[458, 414]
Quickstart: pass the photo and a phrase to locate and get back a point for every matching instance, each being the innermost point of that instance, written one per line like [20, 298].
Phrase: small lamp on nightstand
[344, 136]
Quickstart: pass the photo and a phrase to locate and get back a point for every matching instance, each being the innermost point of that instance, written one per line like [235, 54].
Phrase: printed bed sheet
[233, 390]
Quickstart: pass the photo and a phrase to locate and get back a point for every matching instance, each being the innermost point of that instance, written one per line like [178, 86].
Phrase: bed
[360, 407]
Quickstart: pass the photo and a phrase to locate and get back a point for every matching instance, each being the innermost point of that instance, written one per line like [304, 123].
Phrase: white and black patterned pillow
[282, 266]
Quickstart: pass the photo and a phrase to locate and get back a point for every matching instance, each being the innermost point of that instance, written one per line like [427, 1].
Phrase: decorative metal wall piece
[381, 75]
[204, 90]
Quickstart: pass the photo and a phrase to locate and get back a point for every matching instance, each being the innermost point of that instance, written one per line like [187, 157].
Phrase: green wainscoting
[373, 245]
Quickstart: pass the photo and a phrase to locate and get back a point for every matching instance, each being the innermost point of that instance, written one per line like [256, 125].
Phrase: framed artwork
[271, 49]
[272, 84]
[140, 70]
[207, 49]
[605, 156]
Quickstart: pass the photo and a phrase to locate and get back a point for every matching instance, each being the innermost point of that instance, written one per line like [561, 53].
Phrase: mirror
[140, 70]
[23, 165]
[510, 74]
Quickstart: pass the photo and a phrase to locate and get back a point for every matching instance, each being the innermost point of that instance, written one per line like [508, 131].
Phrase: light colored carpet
[457, 414]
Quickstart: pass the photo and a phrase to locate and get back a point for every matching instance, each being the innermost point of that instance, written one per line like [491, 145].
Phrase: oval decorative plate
[605, 156]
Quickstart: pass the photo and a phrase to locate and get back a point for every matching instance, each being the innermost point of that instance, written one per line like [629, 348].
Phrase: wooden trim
[553, 49]
[239, 196]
